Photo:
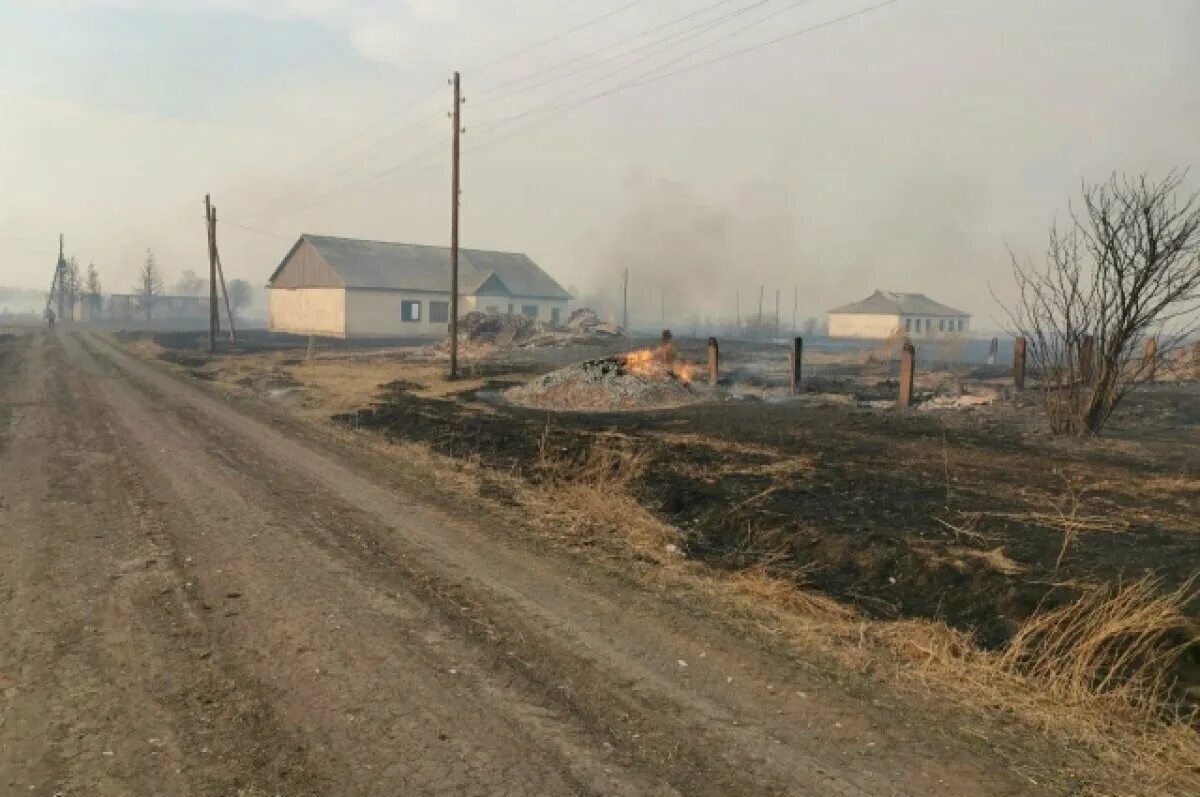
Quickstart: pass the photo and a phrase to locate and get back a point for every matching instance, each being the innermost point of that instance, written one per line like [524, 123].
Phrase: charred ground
[959, 516]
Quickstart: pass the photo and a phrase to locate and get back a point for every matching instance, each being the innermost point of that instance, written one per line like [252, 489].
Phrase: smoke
[689, 257]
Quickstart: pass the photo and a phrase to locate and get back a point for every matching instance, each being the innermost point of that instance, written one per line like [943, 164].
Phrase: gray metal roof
[396, 266]
[894, 303]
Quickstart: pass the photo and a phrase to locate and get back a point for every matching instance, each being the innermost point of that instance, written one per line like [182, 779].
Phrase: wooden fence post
[668, 347]
[1019, 364]
[713, 361]
[908, 364]
[797, 359]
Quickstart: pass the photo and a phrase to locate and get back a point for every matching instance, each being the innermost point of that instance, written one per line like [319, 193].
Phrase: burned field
[966, 514]
[936, 515]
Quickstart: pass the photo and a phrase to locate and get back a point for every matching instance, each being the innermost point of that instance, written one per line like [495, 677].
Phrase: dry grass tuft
[590, 496]
[1116, 646]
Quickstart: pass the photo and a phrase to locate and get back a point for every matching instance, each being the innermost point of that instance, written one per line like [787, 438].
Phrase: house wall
[863, 325]
[307, 311]
[377, 313]
[922, 326]
[305, 268]
[878, 326]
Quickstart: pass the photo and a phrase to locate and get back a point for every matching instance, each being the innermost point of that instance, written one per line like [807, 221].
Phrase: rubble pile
[480, 333]
[609, 383]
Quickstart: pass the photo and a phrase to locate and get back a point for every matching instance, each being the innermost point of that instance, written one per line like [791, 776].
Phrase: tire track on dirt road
[107, 688]
[561, 654]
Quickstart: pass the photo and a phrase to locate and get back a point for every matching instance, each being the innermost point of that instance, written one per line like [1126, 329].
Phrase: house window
[908, 325]
[410, 310]
[492, 309]
[941, 325]
[962, 325]
[555, 315]
[439, 312]
[529, 310]
[511, 308]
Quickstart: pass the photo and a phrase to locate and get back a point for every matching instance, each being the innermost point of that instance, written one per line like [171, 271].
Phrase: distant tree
[1125, 269]
[91, 290]
[92, 285]
[190, 284]
[240, 296]
[71, 285]
[150, 284]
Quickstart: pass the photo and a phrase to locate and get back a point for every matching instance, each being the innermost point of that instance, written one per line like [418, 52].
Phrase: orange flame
[651, 363]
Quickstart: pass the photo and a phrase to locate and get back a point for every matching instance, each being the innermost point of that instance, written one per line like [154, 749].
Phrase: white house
[887, 313]
[346, 288]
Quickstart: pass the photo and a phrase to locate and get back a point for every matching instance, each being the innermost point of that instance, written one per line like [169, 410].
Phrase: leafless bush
[1125, 269]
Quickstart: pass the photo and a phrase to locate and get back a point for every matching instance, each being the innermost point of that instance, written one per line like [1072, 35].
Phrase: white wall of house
[366, 313]
[920, 326]
[877, 326]
[307, 311]
[862, 325]
[542, 308]
[382, 313]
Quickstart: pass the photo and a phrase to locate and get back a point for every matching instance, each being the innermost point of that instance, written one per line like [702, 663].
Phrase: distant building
[345, 288]
[887, 313]
[132, 307]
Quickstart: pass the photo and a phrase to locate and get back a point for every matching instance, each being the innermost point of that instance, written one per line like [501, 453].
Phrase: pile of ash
[608, 383]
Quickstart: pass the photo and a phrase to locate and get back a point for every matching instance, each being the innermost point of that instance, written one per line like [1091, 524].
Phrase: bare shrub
[1125, 269]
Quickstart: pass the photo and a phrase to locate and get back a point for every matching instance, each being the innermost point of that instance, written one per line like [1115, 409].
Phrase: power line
[487, 92]
[396, 170]
[710, 25]
[653, 78]
[228, 223]
[341, 166]
[695, 30]
[589, 23]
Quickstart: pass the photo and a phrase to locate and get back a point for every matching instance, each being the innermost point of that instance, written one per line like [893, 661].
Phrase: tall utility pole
[776, 312]
[625, 302]
[214, 312]
[62, 280]
[221, 275]
[457, 115]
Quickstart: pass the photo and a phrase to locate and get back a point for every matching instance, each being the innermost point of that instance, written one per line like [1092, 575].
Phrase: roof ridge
[418, 246]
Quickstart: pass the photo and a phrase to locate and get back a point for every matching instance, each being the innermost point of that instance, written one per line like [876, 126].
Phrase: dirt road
[195, 601]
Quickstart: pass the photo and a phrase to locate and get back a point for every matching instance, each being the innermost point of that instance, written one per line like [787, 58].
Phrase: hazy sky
[900, 149]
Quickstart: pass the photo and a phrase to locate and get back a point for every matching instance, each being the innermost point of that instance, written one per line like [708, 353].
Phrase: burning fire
[653, 362]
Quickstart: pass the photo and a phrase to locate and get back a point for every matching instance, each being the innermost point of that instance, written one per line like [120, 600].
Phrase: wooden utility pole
[625, 302]
[62, 280]
[455, 149]
[221, 277]
[776, 312]
[797, 363]
[214, 313]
